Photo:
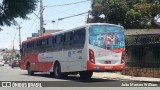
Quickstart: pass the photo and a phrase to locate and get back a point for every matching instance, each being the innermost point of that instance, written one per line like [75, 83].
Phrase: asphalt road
[72, 82]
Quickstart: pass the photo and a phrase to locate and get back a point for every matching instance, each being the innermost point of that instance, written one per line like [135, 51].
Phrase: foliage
[11, 9]
[129, 13]
[17, 55]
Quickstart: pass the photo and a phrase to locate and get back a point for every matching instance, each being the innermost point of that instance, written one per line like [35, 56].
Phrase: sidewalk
[118, 76]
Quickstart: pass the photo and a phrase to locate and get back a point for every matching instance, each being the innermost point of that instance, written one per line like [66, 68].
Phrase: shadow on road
[76, 81]
[74, 78]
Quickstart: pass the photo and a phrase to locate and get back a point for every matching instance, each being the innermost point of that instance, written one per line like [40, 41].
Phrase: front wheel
[30, 72]
[85, 74]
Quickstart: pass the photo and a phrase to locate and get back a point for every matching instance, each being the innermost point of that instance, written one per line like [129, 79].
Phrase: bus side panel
[42, 66]
[36, 65]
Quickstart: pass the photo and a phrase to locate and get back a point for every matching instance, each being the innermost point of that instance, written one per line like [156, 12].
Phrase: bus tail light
[123, 57]
[91, 56]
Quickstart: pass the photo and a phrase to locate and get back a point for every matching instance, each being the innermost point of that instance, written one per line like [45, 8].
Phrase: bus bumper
[107, 67]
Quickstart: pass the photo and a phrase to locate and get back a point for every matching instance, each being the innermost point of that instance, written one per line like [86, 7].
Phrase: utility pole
[88, 18]
[13, 47]
[41, 18]
[19, 28]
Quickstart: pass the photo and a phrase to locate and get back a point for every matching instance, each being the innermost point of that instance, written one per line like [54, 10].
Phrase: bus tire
[85, 74]
[29, 70]
[57, 71]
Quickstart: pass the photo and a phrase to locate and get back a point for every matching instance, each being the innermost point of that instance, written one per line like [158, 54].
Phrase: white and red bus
[90, 48]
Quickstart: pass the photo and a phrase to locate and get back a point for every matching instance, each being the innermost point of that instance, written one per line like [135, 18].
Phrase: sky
[10, 34]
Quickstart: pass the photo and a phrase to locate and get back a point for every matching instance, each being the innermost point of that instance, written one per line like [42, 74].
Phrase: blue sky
[50, 13]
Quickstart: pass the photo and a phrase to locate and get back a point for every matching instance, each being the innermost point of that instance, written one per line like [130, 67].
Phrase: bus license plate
[107, 62]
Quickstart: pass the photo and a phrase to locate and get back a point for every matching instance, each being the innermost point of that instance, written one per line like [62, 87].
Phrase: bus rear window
[106, 36]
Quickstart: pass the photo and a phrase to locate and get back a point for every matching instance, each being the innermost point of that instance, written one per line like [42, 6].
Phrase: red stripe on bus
[41, 66]
[94, 67]
[118, 50]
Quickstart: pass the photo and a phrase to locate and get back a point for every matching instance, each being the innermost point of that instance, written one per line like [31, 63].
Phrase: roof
[85, 26]
[59, 32]
[141, 31]
[37, 38]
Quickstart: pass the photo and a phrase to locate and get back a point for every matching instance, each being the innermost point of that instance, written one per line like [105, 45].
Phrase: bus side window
[53, 43]
[32, 47]
[22, 50]
[82, 36]
[48, 44]
[38, 46]
[79, 38]
[50, 40]
[47, 41]
[76, 39]
[58, 42]
[68, 38]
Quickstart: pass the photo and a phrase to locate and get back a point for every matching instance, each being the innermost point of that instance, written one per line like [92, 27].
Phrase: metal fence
[143, 51]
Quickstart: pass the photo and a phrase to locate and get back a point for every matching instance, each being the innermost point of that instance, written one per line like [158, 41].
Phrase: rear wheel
[85, 74]
[30, 72]
[57, 72]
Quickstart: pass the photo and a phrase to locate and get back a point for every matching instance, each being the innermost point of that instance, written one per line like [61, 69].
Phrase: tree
[129, 13]
[17, 55]
[11, 9]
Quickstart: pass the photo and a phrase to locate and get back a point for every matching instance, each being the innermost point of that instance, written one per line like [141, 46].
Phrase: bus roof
[37, 38]
[63, 31]
[88, 24]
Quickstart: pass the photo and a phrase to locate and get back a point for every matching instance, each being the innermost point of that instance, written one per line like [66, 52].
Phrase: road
[15, 74]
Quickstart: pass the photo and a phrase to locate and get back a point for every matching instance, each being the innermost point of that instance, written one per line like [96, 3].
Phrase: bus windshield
[106, 36]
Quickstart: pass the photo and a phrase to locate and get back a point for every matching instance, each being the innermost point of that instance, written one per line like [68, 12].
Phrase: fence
[143, 50]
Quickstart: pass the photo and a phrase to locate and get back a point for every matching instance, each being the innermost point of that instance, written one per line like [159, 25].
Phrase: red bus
[90, 48]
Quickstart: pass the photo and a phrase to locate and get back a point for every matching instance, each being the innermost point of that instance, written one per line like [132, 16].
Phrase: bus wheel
[29, 70]
[85, 74]
[57, 71]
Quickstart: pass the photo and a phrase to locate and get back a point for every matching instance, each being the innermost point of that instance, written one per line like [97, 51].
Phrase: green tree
[11, 9]
[17, 55]
[129, 13]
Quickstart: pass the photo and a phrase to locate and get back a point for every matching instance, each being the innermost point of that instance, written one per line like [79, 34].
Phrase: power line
[59, 19]
[72, 16]
[68, 4]
[30, 27]
[32, 23]
[77, 6]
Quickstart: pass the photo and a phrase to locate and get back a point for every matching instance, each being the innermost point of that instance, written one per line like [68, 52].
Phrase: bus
[95, 47]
